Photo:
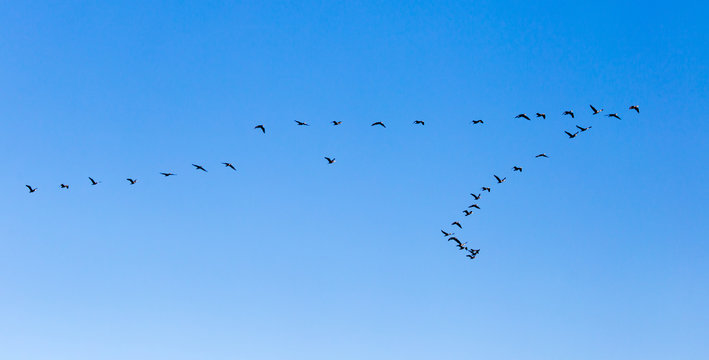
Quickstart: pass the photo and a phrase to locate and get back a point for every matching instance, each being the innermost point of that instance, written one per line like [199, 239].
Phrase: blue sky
[597, 252]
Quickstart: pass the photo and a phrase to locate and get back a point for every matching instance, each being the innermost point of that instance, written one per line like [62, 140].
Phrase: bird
[568, 112]
[462, 246]
[379, 123]
[542, 115]
[166, 174]
[300, 123]
[198, 167]
[486, 189]
[477, 197]
[93, 182]
[474, 206]
[522, 116]
[329, 161]
[474, 251]
[445, 234]
[260, 127]
[335, 123]
[419, 122]
[499, 181]
[470, 256]
[132, 181]
[595, 111]
[541, 155]
[477, 122]
[31, 189]
[516, 168]
[456, 224]
[229, 165]
[453, 238]
[635, 107]
[583, 128]
[467, 212]
[614, 115]
[63, 186]
[571, 136]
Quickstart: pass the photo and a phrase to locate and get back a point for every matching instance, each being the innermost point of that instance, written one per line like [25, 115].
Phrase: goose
[300, 123]
[477, 122]
[93, 182]
[614, 115]
[63, 186]
[594, 110]
[499, 181]
[166, 174]
[568, 112]
[541, 155]
[419, 122]
[583, 128]
[474, 206]
[198, 167]
[445, 234]
[516, 168]
[467, 212]
[486, 189]
[524, 116]
[229, 165]
[379, 123]
[132, 181]
[260, 127]
[456, 224]
[476, 197]
[635, 107]
[571, 136]
[31, 189]
[542, 115]
[329, 161]
[335, 123]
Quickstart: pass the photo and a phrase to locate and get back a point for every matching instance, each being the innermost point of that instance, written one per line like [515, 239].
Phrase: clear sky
[598, 252]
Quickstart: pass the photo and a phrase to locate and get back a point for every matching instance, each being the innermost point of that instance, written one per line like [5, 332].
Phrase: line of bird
[472, 253]
[331, 160]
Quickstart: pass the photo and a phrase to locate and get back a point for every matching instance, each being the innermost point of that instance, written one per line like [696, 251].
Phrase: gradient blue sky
[599, 252]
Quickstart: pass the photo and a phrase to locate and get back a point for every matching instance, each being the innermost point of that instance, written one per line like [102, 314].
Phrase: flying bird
[93, 182]
[595, 111]
[486, 189]
[516, 168]
[614, 115]
[456, 224]
[474, 206]
[471, 257]
[379, 123]
[336, 122]
[583, 128]
[419, 122]
[229, 165]
[477, 122]
[477, 197]
[522, 116]
[542, 115]
[541, 155]
[453, 238]
[445, 234]
[499, 181]
[260, 127]
[166, 174]
[474, 251]
[462, 246]
[635, 107]
[568, 112]
[198, 167]
[31, 189]
[132, 181]
[467, 212]
[329, 161]
[300, 123]
[63, 186]
[571, 136]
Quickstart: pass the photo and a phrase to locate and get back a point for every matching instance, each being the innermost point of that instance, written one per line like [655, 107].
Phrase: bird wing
[498, 179]
[593, 108]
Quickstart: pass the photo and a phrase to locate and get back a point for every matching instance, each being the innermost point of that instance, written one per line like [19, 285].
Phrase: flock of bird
[470, 253]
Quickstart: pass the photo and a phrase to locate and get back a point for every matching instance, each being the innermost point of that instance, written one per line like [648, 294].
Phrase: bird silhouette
[516, 168]
[635, 107]
[471, 257]
[477, 197]
[541, 155]
[31, 189]
[524, 116]
[446, 234]
[336, 122]
[595, 111]
[456, 224]
[419, 122]
[260, 127]
[379, 123]
[571, 136]
[63, 186]
[93, 182]
[462, 246]
[474, 251]
[477, 122]
[198, 167]
[300, 123]
[330, 161]
[568, 112]
[499, 181]
[614, 115]
[132, 181]
[229, 165]
[166, 174]
[467, 212]
[542, 115]
[583, 128]
[453, 238]
[474, 206]
[486, 189]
